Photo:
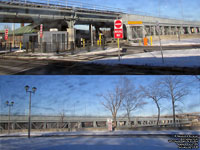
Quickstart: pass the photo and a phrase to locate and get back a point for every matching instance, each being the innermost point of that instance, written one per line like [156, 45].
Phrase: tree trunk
[129, 119]
[115, 121]
[174, 115]
[158, 114]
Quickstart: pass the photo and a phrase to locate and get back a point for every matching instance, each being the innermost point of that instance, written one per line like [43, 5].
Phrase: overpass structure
[59, 14]
[76, 122]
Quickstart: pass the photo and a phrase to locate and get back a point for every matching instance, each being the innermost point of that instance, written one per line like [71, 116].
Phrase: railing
[65, 4]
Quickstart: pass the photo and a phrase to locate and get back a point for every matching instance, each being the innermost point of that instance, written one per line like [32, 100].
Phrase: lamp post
[9, 106]
[29, 114]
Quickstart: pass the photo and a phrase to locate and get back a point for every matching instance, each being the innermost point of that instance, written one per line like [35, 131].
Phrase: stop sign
[6, 34]
[118, 24]
[118, 29]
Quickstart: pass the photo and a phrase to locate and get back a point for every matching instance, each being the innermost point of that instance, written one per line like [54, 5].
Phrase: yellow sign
[135, 22]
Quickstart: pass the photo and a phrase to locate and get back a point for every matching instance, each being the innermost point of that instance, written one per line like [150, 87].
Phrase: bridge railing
[64, 4]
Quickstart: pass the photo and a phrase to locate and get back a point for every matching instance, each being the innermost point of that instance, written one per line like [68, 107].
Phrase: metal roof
[21, 31]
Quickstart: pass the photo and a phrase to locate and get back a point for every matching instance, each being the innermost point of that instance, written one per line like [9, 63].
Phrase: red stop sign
[118, 24]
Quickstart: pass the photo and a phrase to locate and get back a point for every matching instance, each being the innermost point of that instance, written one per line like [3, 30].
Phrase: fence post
[57, 47]
[88, 46]
[72, 47]
[27, 44]
[44, 46]
[32, 47]
[10, 47]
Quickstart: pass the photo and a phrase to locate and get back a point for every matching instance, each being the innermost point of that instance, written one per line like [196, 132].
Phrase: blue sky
[78, 94]
[187, 9]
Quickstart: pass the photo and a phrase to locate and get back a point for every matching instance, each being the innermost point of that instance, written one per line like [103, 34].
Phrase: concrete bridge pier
[154, 30]
[169, 30]
[94, 124]
[71, 34]
[182, 31]
[176, 30]
[91, 34]
[79, 125]
[189, 30]
[162, 30]
[44, 125]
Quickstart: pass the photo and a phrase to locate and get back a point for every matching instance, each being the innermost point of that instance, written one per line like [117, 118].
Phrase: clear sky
[181, 9]
[78, 94]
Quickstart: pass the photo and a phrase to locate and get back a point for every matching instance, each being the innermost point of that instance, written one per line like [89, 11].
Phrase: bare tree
[175, 90]
[132, 99]
[62, 117]
[154, 92]
[113, 100]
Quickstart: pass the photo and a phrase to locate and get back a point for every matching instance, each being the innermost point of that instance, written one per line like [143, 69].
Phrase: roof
[21, 31]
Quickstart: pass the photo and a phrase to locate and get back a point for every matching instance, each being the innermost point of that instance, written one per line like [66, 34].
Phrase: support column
[143, 31]
[163, 30]
[199, 29]
[71, 34]
[182, 30]
[91, 35]
[189, 30]
[13, 125]
[79, 125]
[44, 125]
[175, 30]
[97, 32]
[94, 124]
[170, 30]
[154, 30]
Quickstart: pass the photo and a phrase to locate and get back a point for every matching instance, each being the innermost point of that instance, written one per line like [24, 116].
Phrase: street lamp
[9, 106]
[29, 114]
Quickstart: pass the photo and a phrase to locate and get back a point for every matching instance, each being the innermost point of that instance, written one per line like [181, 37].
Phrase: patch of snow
[178, 58]
[177, 42]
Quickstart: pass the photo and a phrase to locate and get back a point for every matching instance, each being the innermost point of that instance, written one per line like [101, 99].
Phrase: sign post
[41, 35]
[118, 32]
[6, 36]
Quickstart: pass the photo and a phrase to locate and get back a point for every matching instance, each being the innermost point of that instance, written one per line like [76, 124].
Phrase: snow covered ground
[94, 133]
[178, 58]
[77, 142]
[177, 42]
[86, 143]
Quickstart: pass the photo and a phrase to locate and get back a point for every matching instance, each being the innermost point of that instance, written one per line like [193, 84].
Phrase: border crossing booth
[53, 41]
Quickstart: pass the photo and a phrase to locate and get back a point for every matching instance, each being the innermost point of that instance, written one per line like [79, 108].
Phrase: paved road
[50, 67]
[75, 64]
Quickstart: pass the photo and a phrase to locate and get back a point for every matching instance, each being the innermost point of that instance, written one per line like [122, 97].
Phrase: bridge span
[77, 122]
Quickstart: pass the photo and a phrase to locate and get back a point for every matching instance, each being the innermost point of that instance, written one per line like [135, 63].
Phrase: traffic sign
[6, 34]
[41, 30]
[118, 29]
